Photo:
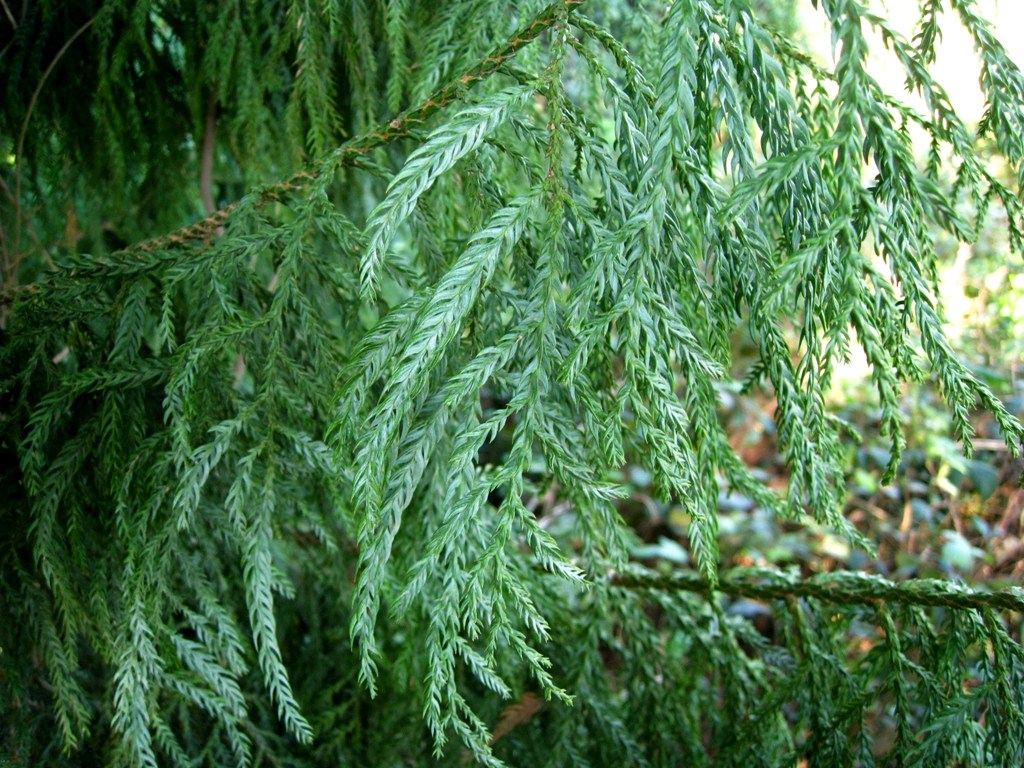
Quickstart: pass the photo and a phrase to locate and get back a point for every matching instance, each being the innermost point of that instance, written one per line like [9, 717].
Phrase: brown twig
[206, 161]
[8, 14]
[830, 589]
[349, 152]
[529, 704]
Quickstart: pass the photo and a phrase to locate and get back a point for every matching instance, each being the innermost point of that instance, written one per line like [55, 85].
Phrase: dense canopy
[329, 327]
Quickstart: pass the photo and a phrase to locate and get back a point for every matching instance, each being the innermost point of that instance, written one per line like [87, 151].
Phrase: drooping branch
[397, 128]
[841, 588]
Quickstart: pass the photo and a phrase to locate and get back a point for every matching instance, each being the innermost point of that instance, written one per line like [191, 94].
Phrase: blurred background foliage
[946, 515]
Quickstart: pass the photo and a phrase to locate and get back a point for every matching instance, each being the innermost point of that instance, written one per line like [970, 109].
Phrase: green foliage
[332, 476]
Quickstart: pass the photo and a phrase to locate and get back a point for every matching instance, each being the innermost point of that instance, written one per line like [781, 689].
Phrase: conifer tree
[328, 328]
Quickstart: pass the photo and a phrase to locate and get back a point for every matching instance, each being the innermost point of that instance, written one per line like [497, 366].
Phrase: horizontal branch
[837, 588]
[399, 127]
